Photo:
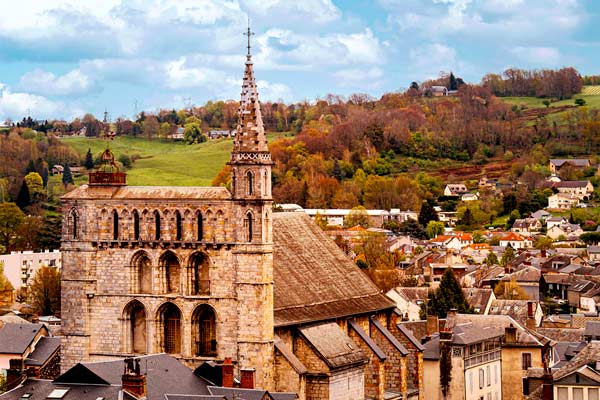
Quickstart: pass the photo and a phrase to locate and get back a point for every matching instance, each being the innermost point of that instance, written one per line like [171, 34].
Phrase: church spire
[250, 133]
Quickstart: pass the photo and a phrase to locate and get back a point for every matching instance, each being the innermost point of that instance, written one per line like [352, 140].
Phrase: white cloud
[543, 56]
[319, 11]
[16, 105]
[363, 79]
[429, 60]
[42, 82]
[269, 91]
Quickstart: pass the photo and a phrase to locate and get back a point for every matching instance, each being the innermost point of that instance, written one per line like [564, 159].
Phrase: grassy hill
[164, 163]
[591, 95]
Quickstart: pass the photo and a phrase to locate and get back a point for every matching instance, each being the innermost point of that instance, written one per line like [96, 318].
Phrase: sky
[64, 58]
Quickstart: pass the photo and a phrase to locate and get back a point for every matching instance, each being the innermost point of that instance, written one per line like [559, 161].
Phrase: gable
[584, 377]
[80, 374]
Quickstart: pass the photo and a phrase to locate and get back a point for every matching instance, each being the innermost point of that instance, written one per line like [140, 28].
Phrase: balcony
[483, 357]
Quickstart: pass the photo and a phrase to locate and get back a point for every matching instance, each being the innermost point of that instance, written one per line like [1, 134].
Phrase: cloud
[42, 82]
[542, 56]
[16, 105]
[429, 60]
[363, 79]
[269, 91]
[320, 11]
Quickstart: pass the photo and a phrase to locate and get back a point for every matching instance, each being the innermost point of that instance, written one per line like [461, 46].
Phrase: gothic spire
[250, 133]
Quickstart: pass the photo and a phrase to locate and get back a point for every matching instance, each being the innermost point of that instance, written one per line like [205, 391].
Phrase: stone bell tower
[251, 195]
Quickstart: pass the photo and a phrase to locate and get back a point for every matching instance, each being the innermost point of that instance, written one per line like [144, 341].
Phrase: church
[208, 273]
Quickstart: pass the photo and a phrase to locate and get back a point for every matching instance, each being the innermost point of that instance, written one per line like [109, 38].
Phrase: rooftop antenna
[248, 33]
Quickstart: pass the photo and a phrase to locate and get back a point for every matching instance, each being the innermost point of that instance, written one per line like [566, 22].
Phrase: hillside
[164, 163]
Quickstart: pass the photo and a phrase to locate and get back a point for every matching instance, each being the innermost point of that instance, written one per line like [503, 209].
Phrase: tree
[580, 102]
[30, 167]
[321, 221]
[89, 160]
[414, 85]
[44, 291]
[192, 133]
[434, 228]
[164, 130]
[150, 126]
[412, 228]
[449, 295]
[381, 264]
[67, 178]
[507, 256]
[35, 184]
[4, 282]
[427, 214]
[357, 216]
[510, 291]
[590, 238]
[23, 198]
[543, 243]
[491, 259]
[452, 83]
[11, 217]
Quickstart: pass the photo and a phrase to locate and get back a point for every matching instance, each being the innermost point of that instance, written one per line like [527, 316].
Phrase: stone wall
[348, 384]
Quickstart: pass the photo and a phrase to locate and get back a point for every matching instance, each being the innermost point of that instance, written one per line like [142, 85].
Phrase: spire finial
[248, 33]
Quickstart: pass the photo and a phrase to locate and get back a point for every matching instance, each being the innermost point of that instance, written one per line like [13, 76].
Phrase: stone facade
[186, 271]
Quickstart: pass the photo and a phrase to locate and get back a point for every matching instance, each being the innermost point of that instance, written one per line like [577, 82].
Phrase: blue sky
[63, 58]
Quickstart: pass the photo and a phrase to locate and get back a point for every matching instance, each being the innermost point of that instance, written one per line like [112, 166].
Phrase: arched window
[199, 221]
[204, 332]
[136, 225]
[171, 272]
[74, 223]
[135, 334]
[178, 226]
[249, 183]
[115, 225]
[249, 227]
[142, 267]
[156, 225]
[169, 322]
[198, 275]
[265, 182]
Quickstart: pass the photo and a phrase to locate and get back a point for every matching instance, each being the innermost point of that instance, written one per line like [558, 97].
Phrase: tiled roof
[150, 192]
[44, 349]
[332, 344]
[313, 279]
[15, 338]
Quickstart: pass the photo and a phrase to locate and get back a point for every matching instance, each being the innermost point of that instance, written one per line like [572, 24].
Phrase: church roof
[314, 279]
[150, 193]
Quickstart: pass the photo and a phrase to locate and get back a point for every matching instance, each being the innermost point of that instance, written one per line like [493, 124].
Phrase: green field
[591, 95]
[164, 163]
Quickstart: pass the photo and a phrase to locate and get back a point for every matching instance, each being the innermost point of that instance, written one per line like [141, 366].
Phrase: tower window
[178, 233]
[74, 221]
[199, 227]
[136, 225]
[250, 183]
[156, 225]
[249, 226]
[115, 225]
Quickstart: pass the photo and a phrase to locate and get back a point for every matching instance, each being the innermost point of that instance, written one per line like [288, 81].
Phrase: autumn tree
[491, 259]
[35, 184]
[380, 263]
[11, 217]
[507, 256]
[44, 291]
[510, 290]
[4, 282]
[192, 133]
[434, 228]
[357, 217]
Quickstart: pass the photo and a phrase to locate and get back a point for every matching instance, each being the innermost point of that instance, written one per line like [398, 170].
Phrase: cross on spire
[248, 33]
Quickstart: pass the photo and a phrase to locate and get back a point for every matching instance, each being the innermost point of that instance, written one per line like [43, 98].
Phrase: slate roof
[15, 338]
[478, 298]
[589, 354]
[527, 274]
[249, 394]
[314, 279]
[571, 184]
[562, 334]
[290, 356]
[516, 309]
[40, 389]
[164, 375]
[578, 162]
[45, 348]
[497, 323]
[592, 328]
[333, 345]
[367, 339]
[412, 294]
[150, 193]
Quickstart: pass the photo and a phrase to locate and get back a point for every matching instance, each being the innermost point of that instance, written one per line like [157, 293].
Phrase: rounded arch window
[204, 331]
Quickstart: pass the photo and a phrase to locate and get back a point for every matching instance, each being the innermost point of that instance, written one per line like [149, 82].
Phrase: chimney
[14, 374]
[132, 380]
[530, 309]
[445, 335]
[433, 324]
[510, 334]
[227, 371]
[543, 253]
[247, 378]
[530, 322]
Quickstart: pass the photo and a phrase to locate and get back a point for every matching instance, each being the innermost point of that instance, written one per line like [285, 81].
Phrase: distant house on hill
[438, 91]
[562, 201]
[526, 226]
[455, 189]
[579, 189]
[558, 163]
[220, 133]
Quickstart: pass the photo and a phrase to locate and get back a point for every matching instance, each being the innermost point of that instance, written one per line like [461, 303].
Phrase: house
[20, 267]
[220, 133]
[562, 201]
[528, 279]
[580, 189]
[57, 169]
[541, 215]
[446, 242]
[469, 197]
[337, 217]
[553, 221]
[455, 189]
[30, 346]
[515, 241]
[448, 217]
[556, 285]
[576, 291]
[593, 253]
[526, 226]
[177, 135]
[409, 300]
[528, 313]
[402, 216]
[569, 231]
[438, 91]
[557, 164]
[466, 239]
[480, 300]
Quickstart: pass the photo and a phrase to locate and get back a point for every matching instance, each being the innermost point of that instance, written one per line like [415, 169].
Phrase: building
[567, 230]
[207, 274]
[20, 267]
[455, 189]
[526, 226]
[337, 217]
[515, 241]
[580, 189]
[557, 164]
[438, 91]
[562, 201]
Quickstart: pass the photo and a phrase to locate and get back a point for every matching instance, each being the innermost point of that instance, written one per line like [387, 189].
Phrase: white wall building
[21, 266]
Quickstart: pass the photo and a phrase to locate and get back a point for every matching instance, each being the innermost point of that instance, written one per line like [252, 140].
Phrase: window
[170, 323]
[249, 183]
[199, 279]
[199, 227]
[481, 378]
[496, 374]
[525, 361]
[142, 267]
[178, 226]
[204, 331]
[57, 394]
[136, 225]
[577, 393]
[74, 220]
[489, 375]
[470, 381]
[115, 225]
[156, 225]
[593, 394]
[171, 272]
[135, 316]
[563, 393]
[249, 227]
